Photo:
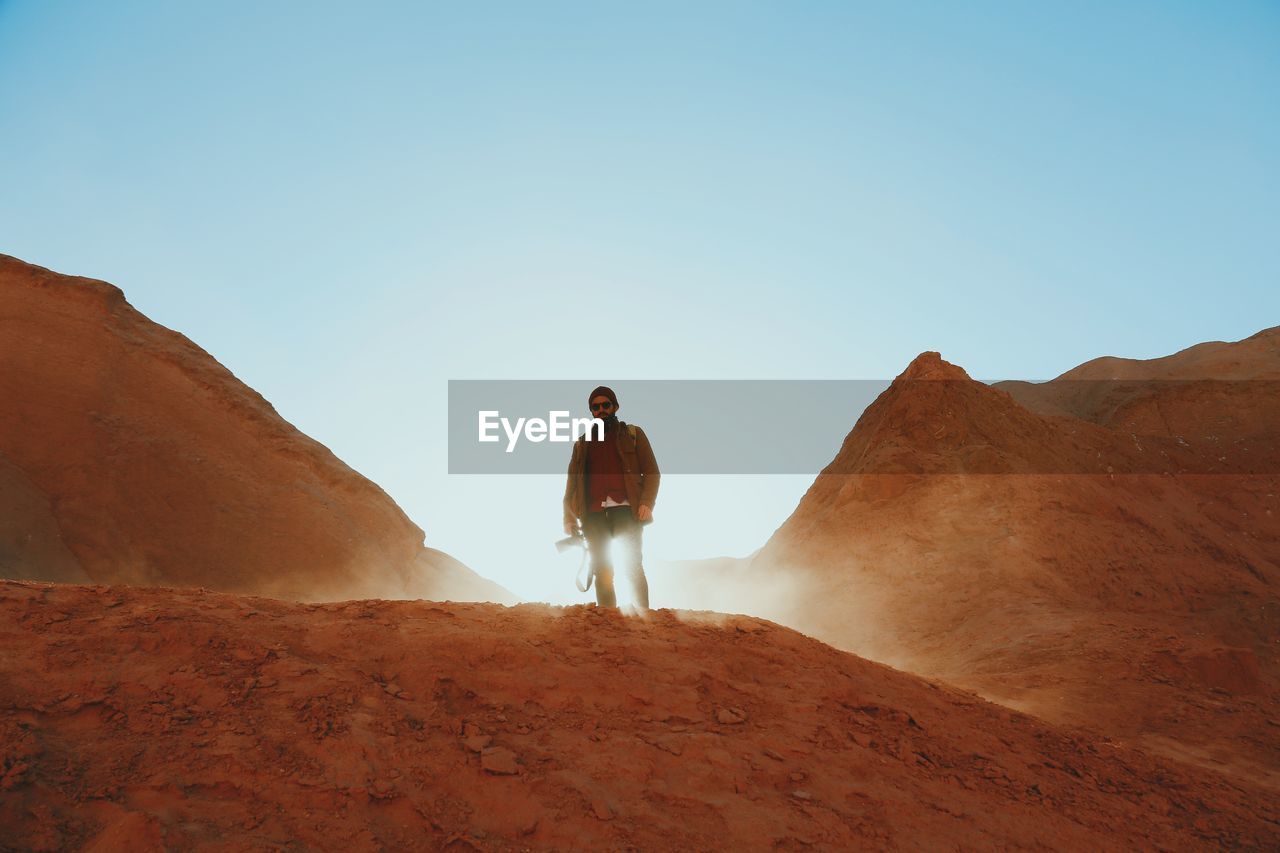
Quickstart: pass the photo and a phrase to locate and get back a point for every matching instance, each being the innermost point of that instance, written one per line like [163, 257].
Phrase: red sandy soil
[141, 719]
[129, 455]
[1103, 554]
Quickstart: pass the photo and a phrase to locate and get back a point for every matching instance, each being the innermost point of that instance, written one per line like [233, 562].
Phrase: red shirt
[604, 472]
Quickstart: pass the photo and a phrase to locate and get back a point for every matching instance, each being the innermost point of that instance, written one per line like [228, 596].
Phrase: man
[611, 489]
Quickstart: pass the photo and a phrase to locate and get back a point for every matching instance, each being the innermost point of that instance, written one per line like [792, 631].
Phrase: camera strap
[591, 575]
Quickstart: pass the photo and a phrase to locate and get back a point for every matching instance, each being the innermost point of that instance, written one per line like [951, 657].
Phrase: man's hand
[644, 514]
[570, 528]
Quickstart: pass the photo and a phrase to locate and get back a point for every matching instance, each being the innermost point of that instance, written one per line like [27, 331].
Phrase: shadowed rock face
[1062, 550]
[156, 466]
[171, 719]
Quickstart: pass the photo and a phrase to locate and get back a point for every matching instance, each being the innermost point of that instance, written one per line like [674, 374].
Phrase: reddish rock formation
[1013, 549]
[1218, 396]
[173, 719]
[129, 455]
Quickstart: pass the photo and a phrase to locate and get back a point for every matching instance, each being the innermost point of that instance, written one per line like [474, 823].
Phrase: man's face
[601, 407]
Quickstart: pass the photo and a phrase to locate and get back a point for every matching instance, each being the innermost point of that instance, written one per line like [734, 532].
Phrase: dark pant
[604, 528]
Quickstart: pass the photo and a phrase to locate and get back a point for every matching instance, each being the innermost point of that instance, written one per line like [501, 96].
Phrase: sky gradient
[350, 204]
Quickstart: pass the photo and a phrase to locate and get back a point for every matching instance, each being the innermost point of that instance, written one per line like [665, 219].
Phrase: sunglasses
[595, 407]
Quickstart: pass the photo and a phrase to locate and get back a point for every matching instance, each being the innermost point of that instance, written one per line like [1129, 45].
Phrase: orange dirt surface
[129, 455]
[136, 718]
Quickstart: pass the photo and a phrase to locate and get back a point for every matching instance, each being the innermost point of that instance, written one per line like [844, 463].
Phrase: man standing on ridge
[611, 490]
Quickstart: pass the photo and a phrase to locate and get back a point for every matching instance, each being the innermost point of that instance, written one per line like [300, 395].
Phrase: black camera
[568, 542]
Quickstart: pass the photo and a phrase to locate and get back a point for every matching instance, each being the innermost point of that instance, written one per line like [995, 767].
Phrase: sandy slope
[132, 456]
[1079, 558]
[203, 720]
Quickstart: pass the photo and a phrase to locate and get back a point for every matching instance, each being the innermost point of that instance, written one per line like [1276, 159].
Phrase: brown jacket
[639, 473]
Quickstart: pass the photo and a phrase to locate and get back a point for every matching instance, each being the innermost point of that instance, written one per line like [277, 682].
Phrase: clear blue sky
[348, 204]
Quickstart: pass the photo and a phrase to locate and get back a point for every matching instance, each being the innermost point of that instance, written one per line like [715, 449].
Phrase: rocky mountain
[128, 455]
[1102, 550]
[1223, 396]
